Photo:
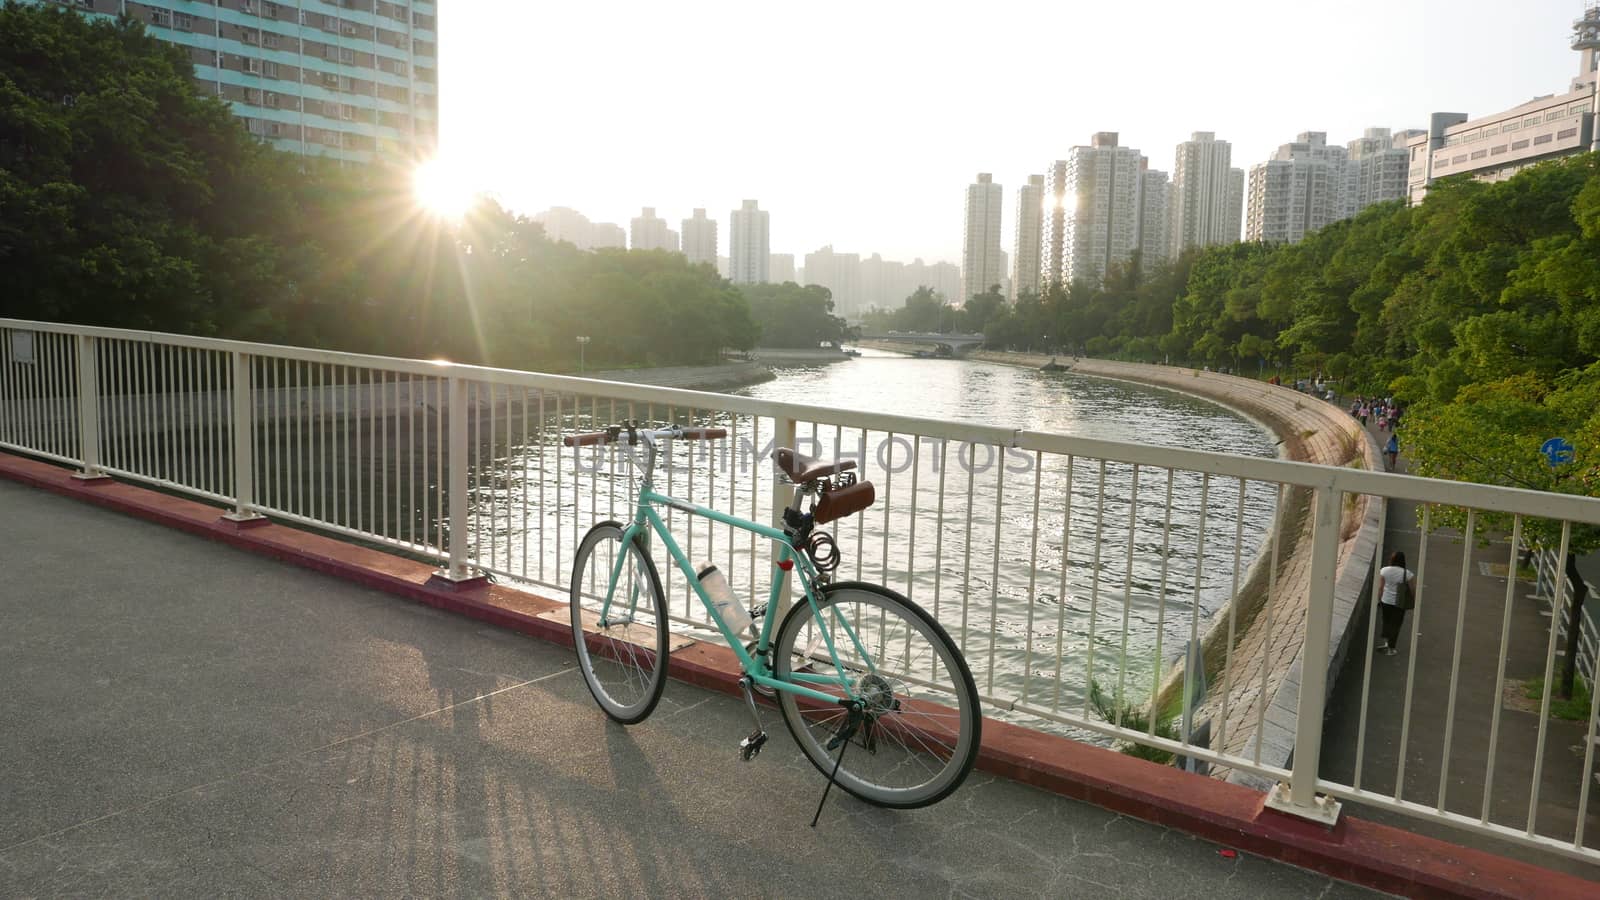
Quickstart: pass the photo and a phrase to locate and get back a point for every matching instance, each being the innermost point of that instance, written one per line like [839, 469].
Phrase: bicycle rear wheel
[922, 724]
[622, 646]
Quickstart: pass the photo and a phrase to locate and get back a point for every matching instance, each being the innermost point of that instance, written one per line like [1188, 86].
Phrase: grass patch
[1575, 708]
[1134, 719]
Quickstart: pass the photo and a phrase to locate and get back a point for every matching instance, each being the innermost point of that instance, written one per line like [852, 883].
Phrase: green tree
[1492, 434]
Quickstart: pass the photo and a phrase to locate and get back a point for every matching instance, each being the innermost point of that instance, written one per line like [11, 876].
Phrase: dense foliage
[127, 198]
[792, 316]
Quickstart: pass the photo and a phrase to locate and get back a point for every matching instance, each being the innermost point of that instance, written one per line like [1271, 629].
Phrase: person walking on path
[1397, 596]
[1391, 452]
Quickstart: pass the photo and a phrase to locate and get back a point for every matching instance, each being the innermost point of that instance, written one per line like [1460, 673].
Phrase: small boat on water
[1053, 366]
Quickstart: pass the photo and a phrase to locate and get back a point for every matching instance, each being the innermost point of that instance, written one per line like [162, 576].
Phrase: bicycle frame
[755, 666]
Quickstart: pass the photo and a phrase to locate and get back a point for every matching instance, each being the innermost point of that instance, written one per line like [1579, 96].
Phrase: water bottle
[733, 613]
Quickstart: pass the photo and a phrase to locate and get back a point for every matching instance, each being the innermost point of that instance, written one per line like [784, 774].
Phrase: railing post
[89, 409]
[782, 496]
[244, 442]
[456, 481]
[1299, 797]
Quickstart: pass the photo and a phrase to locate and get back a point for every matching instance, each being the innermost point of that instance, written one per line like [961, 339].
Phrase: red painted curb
[1379, 856]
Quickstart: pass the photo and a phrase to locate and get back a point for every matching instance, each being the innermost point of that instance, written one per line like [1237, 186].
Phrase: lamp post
[583, 341]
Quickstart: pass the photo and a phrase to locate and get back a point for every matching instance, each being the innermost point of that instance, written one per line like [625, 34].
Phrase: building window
[1458, 160]
[1577, 109]
[1565, 133]
[1544, 139]
[1518, 145]
[1479, 154]
[272, 99]
[1511, 126]
[248, 36]
[1496, 151]
[1530, 123]
[270, 10]
[269, 69]
[252, 95]
[269, 40]
[346, 55]
[1552, 115]
[182, 21]
[161, 17]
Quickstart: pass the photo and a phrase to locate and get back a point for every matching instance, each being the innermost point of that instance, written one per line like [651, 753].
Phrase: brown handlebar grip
[705, 434]
[586, 439]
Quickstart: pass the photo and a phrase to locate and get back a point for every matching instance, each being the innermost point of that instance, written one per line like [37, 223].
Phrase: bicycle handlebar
[617, 434]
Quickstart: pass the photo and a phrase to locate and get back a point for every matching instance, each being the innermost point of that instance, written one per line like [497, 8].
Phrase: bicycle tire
[624, 664]
[926, 724]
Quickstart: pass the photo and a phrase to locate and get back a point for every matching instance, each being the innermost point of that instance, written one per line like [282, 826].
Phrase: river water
[1123, 603]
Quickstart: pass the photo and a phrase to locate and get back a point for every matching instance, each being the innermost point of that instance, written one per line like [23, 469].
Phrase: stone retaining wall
[1312, 431]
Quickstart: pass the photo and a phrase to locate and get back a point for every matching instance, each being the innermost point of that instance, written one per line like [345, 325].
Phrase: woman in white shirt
[1392, 576]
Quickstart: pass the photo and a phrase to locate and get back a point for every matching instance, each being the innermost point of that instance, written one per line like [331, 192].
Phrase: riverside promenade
[1423, 667]
[187, 719]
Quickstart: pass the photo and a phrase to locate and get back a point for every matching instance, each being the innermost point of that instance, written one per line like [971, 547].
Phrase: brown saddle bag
[845, 501]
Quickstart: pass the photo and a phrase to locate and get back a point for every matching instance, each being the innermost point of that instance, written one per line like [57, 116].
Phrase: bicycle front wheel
[917, 737]
[619, 623]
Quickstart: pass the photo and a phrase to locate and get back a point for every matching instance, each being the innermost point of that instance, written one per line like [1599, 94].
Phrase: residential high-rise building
[563, 224]
[1029, 231]
[749, 244]
[354, 84]
[1376, 173]
[981, 265]
[1092, 210]
[1155, 205]
[1301, 189]
[700, 238]
[648, 231]
[1233, 226]
[1200, 193]
[780, 267]
[840, 273]
[725, 267]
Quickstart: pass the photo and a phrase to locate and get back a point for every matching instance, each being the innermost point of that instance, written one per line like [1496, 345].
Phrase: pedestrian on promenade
[1391, 452]
[1365, 411]
[1398, 595]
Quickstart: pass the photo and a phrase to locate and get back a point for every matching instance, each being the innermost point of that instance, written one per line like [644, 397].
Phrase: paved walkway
[1429, 635]
[184, 719]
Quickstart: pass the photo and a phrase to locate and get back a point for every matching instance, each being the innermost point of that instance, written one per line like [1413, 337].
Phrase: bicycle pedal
[750, 747]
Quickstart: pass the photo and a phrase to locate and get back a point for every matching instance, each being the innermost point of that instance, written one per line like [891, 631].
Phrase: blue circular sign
[1557, 451]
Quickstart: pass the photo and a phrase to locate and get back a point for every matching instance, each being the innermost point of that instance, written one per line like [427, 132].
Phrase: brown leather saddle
[836, 502]
[801, 468]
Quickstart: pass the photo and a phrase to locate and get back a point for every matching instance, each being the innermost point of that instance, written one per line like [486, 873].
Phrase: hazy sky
[860, 124]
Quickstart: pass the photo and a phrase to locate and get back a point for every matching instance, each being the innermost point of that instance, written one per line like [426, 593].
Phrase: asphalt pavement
[186, 719]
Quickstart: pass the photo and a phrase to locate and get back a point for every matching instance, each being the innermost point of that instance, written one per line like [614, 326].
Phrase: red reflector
[786, 564]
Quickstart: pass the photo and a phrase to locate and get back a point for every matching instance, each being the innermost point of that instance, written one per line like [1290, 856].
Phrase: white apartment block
[1495, 147]
[1201, 177]
[1377, 169]
[840, 273]
[647, 231]
[1029, 231]
[780, 267]
[749, 244]
[1300, 190]
[564, 224]
[700, 238]
[981, 264]
[1092, 212]
[1155, 205]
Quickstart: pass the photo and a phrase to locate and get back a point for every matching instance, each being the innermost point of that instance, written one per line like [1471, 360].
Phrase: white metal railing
[1053, 560]
[1546, 569]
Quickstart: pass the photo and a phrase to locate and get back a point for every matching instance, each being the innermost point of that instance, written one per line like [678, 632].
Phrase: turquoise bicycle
[852, 666]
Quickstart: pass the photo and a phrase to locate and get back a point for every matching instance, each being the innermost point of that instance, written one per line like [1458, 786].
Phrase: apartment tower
[700, 238]
[648, 231]
[749, 244]
[1029, 231]
[354, 81]
[1092, 210]
[1201, 181]
[1155, 206]
[981, 263]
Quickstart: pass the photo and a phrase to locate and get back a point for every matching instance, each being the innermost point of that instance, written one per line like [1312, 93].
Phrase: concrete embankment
[1243, 706]
[724, 377]
[791, 356]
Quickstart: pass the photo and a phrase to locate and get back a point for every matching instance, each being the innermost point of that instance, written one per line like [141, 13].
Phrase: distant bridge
[955, 343]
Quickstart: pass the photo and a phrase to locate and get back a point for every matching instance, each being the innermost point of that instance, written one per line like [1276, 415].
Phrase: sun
[442, 189]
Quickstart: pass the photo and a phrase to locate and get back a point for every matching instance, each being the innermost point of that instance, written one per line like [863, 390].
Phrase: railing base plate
[91, 477]
[461, 581]
[1324, 810]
